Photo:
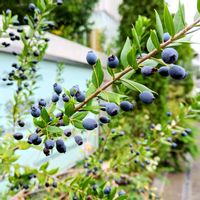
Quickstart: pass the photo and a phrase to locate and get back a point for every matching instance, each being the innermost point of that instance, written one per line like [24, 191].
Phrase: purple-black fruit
[89, 124]
[112, 109]
[113, 61]
[146, 97]
[169, 55]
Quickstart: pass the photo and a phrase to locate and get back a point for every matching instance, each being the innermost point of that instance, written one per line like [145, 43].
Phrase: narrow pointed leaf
[198, 5]
[168, 20]
[98, 74]
[179, 18]
[137, 41]
[155, 40]
[150, 45]
[131, 57]
[135, 86]
[125, 50]
[159, 26]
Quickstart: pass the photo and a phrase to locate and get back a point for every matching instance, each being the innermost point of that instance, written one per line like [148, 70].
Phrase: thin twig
[129, 68]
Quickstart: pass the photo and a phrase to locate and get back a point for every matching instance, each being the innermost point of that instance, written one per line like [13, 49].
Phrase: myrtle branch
[146, 57]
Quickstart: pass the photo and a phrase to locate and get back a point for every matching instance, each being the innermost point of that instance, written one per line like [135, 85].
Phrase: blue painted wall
[73, 74]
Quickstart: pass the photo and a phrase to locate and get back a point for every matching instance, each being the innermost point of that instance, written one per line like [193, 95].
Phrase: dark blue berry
[107, 190]
[60, 146]
[18, 136]
[103, 106]
[188, 130]
[32, 138]
[55, 98]
[146, 97]
[94, 187]
[104, 119]
[147, 70]
[166, 37]
[74, 90]
[174, 132]
[169, 139]
[68, 132]
[169, 55]
[54, 184]
[112, 109]
[183, 134]
[174, 145]
[42, 102]
[49, 144]
[8, 11]
[89, 124]
[21, 123]
[126, 106]
[65, 98]
[169, 114]
[177, 72]
[38, 141]
[91, 58]
[35, 112]
[121, 133]
[78, 139]
[57, 88]
[59, 2]
[164, 71]
[32, 7]
[80, 96]
[113, 61]
[46, 151]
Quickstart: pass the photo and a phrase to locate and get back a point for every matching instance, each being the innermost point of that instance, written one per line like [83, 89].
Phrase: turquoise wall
[73, 74]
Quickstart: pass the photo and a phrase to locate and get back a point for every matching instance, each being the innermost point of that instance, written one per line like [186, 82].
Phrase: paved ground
[182, 186]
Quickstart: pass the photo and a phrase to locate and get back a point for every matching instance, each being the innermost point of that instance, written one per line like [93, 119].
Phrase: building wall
[76, 71]
[106, 21]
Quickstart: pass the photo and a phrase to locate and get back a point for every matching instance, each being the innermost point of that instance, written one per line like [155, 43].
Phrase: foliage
[127, 159]
[71, 20]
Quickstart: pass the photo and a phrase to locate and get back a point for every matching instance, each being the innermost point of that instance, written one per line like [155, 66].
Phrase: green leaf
[53, 171]
[69, 108]
[90, 90]
[155, 40]
[39, 123]
[93, 109]
[23, 145]
[110, 71]
[52, 108]
[54, 130]
[98, 74]
[137, 41]
[179, 18]
[44, 166]
[168, 20]
[111, 97]
[198, 5]
[45, 115]
[159, 26]
[112, 194]
[149, 62]
[121, 197]
[77, 123]
[131, 57]
[79, 115]
[135, 86]
[66, 120]
[150, 45]
[85, 183]
[124, 53]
